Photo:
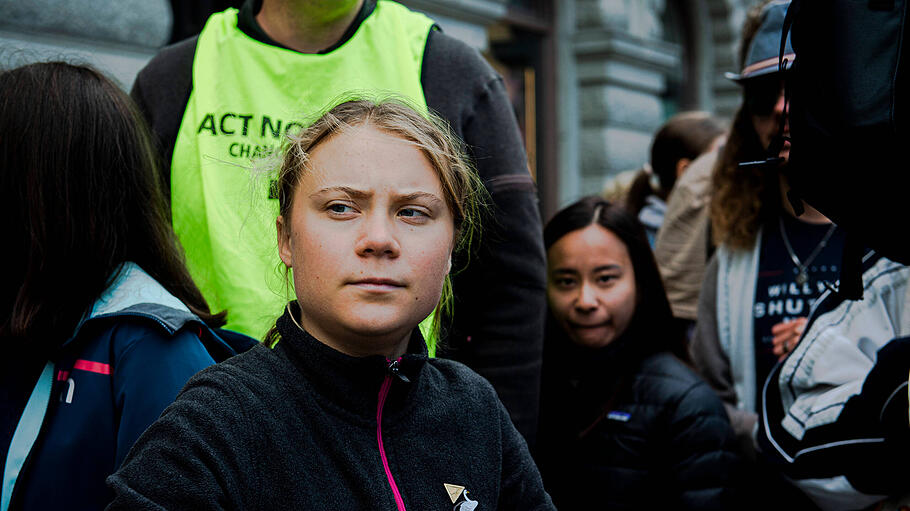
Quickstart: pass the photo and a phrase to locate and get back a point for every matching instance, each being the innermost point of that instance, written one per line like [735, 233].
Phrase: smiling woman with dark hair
[625, 424]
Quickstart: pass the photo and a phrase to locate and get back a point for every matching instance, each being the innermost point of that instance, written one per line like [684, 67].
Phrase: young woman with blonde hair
[341, 408]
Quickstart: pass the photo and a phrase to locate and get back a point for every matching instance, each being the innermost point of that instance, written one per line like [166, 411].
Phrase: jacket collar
[134, 287]
[351, 382]
[134, 292]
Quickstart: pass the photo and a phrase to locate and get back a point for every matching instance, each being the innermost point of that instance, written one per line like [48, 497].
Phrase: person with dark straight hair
[100, 321]
[678, 142]
[621, 414]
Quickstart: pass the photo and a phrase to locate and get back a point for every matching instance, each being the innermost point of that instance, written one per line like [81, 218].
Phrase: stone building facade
[593, 79]
[117, 37]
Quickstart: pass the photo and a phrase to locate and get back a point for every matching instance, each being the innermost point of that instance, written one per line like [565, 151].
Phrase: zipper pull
[394, 369]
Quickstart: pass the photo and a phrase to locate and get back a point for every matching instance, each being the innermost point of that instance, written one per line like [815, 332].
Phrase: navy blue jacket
[126, 362]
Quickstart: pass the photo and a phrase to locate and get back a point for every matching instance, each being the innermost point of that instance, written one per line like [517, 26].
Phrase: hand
[786, 336]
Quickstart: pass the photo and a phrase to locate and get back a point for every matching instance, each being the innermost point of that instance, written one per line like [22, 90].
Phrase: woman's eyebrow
[572, 271]
[408, 197]
[347, 190]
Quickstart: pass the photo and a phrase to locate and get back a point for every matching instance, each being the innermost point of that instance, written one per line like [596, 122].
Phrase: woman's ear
[285, 251]
[681, 165]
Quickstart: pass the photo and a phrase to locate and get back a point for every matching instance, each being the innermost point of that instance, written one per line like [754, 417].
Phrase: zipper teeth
[383, 393]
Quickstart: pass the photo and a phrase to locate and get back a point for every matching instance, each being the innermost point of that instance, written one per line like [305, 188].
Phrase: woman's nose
[587, 298]
[377, 237]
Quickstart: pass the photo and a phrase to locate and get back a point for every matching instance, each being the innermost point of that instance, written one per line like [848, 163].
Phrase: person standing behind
[625, 424]
[678, 142]
[231, 94]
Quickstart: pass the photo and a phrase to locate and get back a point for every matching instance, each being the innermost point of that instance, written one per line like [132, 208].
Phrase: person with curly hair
[771, 262]
[774, 257]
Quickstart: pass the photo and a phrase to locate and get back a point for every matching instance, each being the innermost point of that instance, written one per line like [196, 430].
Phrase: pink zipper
[383, 393]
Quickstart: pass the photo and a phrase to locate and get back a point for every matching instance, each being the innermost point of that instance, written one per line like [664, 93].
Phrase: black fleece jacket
[662, 441]
[303, 426]
[500, 300]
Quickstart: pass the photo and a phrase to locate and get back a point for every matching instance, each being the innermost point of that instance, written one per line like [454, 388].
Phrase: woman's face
[369, 239]
[591, 285]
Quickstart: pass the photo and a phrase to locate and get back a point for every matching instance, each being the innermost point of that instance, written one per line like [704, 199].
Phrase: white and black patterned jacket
[835, 413]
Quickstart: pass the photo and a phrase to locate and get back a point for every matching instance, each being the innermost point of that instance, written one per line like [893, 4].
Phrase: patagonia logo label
[459, 497]
[618, 416]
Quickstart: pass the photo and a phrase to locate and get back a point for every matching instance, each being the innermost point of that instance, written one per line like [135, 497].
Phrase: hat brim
[762, 68]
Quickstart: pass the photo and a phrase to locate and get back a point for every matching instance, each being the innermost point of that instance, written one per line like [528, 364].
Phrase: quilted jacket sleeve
[704, 464]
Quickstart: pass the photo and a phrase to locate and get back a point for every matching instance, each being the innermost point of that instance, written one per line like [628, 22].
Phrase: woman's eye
[564, 282]
[340, 208]
[411, 212]
[606, 279]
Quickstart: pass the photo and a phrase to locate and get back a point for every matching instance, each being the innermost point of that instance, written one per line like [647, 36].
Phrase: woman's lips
[378, 284]
[588, 327]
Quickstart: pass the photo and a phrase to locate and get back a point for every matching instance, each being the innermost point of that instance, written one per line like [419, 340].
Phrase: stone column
[621, 67]
[726, 18]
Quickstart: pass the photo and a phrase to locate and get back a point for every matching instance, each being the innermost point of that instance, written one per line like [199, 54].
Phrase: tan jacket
[682, 241]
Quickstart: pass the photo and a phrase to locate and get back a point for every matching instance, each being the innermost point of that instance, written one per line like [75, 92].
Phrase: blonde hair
[463, 191]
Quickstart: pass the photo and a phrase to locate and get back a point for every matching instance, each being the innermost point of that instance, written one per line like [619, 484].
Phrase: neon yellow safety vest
[246, 96]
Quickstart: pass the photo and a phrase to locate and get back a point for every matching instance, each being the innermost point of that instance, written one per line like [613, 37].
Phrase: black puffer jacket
[662, 441]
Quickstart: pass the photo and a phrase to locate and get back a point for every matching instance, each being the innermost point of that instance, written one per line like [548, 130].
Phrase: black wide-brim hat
[764, 51]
